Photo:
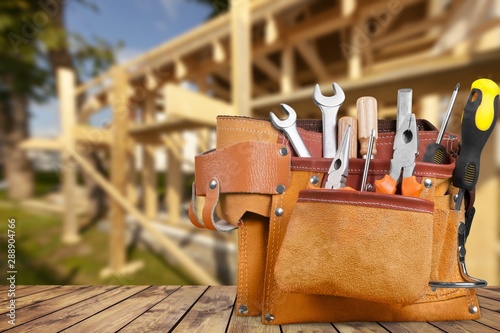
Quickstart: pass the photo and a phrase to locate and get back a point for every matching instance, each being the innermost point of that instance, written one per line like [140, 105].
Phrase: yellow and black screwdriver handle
[478, 120]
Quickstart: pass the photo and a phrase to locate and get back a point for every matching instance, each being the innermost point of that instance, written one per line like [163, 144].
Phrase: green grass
[41, 258]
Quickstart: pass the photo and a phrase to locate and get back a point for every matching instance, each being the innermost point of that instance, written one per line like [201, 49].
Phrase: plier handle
[403, 161]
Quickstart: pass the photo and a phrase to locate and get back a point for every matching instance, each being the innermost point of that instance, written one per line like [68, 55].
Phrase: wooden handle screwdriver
[342, 125]
[367, 117]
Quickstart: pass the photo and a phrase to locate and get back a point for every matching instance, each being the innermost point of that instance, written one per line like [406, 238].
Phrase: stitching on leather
[244, 298]
[270, 269]
[322, 169]
[278, 220]
[243, 120]
[244, 129]
[361, 203]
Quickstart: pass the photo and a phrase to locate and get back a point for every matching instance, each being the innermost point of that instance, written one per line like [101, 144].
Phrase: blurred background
[103, 105]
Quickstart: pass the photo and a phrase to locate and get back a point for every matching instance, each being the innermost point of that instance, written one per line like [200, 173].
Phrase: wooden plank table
[185, 309]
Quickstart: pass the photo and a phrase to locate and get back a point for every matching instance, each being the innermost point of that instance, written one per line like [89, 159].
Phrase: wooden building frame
[262, 53]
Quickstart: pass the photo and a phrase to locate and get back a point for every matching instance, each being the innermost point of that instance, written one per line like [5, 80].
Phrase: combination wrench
[289, 127]
[329, 106]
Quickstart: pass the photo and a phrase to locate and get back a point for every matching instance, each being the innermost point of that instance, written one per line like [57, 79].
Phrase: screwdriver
[367, 117]
[368, 158]
[478, 120]
[436, 152]
[342, 125]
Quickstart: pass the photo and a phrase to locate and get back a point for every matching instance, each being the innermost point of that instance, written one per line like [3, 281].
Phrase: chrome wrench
[289, 127]
[329, 106]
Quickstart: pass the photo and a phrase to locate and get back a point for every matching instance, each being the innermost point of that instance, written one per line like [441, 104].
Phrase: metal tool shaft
[368, 159]
[448, 114]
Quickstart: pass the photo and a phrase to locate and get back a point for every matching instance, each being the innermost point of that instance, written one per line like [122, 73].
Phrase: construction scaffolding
[246, 62]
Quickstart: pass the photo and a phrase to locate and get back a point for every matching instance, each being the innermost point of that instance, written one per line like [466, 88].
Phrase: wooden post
[241, 75]
[430, 109]
[132, 194]
[348, 7]
[203, 134]
[67, 109]
[118, 167]
[150, 197]
[174, 177]
[287, 70]
[188, 266]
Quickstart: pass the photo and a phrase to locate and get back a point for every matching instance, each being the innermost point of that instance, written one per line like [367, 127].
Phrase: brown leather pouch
[363, 245]
[308, 254]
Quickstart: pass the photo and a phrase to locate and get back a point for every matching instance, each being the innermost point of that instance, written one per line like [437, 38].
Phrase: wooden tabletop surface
[185, 309]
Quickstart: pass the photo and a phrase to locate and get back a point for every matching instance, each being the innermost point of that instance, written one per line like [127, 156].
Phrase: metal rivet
[314, 180]
[428, 183]
[462, 251]
[269, 317]
[283, 151]
[280, 189]
[461, 228]
[212, 184]
[278, 211]
[242, 309]
[473, 309]
[455, 198]
[433, 289]
[369, 187]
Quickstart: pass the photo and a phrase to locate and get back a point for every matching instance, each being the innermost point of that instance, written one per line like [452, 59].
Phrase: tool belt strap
[246, 167]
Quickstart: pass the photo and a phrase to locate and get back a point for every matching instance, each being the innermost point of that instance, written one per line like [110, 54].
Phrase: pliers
[403, 159]
[339, 169]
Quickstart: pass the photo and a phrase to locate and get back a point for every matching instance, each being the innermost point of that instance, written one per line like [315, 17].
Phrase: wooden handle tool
[343, 123]
[367, 119]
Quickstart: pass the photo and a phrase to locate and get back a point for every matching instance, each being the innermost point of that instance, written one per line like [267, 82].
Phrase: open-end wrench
[329, 106]
[288, 127]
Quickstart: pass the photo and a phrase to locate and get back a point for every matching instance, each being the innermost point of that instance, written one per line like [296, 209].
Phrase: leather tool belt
[309, 254]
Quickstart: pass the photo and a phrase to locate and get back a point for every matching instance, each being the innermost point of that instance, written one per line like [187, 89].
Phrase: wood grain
[41, 309]
[360, 327]
[44, 296]
[308, 328]
[489, 304]
[24, 292]
[464, 326]
[239, 324]
[191, 309]
[212, 311]
[76, 313]
[119, 315]
[410, 327]
[164, 315]
[490, 318]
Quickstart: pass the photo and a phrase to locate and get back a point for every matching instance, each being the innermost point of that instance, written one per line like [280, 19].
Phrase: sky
[140, 24]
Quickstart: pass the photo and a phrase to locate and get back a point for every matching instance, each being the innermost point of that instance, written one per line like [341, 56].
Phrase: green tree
[34, 43]
[218, 6]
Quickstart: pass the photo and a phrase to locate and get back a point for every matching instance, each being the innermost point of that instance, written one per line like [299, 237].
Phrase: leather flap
[245, 167]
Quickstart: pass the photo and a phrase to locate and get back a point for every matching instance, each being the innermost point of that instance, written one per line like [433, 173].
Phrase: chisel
[367, 119]
[478, 120]
[436, 152]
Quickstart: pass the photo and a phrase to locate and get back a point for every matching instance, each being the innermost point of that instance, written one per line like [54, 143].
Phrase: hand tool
[478, 120]
[353, 142]
[329, 106]
[405, 150]
[367, 119]
[339, 169]
[436, 152]
[368, 158]
[289, 127]
[404, 105]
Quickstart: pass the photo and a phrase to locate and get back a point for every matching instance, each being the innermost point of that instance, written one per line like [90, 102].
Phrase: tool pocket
[362, 245]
